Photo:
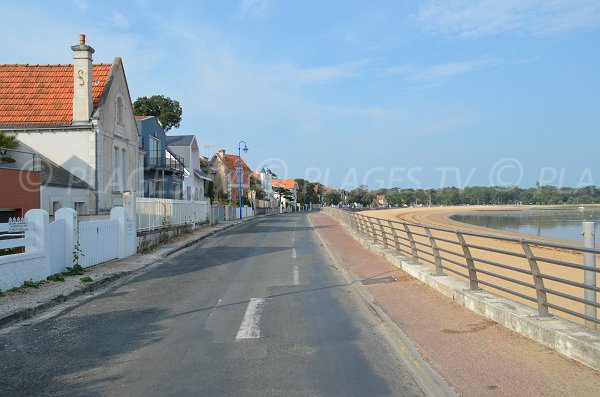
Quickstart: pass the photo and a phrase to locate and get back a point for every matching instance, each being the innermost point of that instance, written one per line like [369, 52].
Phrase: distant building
[163, 170]
[186, 147]
[226, 180]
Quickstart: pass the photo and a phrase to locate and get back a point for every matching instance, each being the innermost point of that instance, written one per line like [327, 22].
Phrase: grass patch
[76, 270]
[56, 277]
[27, 284]
[86, 279]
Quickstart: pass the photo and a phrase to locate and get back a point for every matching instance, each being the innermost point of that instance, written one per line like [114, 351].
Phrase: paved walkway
[15, 306]
[475, 355]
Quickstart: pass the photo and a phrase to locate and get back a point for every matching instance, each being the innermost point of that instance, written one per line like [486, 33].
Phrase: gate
[98, 242]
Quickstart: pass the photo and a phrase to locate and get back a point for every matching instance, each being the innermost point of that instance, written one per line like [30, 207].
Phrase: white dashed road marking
[296, 275]
[250, 327]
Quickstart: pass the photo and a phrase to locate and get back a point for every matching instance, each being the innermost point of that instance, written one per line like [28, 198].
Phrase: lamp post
[245, 149]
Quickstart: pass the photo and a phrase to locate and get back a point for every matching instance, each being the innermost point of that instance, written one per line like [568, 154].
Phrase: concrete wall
[66, 197]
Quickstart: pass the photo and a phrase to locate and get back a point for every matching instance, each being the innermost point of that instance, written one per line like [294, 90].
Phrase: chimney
[83, 104]
[222, 153]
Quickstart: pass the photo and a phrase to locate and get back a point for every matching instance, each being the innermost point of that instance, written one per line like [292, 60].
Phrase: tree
[7, 142]
[166, 110]
[361, 195]
[333, 197]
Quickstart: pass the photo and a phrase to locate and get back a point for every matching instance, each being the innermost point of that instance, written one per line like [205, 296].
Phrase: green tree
[361, 195]
[166, 110]
[333, 197]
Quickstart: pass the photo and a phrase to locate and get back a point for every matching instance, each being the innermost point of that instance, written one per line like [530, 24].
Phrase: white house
[186, 146]
[80, 117]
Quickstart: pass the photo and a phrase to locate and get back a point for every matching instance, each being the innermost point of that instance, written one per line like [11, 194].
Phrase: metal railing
[159, 159]
[20, 160]
[558, 279]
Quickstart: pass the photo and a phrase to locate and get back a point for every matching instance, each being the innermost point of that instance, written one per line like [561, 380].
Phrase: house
[78, 116]
[285, 192]
[163, 170]
[381, 201]
[186, 147]
[227, 175]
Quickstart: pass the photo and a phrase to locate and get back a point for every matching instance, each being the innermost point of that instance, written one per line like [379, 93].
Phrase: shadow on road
[51, 357]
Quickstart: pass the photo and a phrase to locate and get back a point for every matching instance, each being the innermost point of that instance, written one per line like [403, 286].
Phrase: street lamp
[240, 169]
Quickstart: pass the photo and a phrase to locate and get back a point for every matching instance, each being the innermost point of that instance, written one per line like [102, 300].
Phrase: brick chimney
[83, 104]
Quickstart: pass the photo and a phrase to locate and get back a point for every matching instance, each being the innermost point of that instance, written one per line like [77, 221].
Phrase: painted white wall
[67, 197]
[72, 150]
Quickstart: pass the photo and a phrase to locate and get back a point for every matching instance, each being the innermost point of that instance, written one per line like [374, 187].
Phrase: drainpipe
[96, 130]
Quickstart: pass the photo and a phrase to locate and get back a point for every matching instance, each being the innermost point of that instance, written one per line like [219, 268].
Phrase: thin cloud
[254, 9]
[435, 74]
[481, 18]
[322, 74]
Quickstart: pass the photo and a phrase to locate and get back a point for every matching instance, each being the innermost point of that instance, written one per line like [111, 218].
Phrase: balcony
[162, 160]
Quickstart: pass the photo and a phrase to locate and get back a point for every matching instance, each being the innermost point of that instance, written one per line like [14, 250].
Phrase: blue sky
[383, 93]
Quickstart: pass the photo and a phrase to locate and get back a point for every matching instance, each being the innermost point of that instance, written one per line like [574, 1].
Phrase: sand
[439, 217]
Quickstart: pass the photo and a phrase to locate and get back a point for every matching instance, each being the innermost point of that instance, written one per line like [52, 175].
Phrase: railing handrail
[471, 263]
[517, 240]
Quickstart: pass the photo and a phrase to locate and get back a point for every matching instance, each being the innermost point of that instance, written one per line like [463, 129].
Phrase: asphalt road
[259, 310]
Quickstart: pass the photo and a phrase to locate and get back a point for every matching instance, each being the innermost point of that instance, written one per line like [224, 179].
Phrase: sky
[409, 94]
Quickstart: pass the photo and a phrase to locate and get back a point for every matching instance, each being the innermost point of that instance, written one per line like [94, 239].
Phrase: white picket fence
[49, 248]
[153, 213]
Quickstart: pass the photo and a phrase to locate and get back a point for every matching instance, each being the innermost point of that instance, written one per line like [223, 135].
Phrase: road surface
[259, 310]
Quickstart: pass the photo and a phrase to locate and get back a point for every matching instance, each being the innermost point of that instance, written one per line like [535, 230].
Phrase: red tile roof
[284, 183]
[230, 161]
[42, 95]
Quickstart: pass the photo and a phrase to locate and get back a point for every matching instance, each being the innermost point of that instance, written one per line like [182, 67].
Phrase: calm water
[564, 224]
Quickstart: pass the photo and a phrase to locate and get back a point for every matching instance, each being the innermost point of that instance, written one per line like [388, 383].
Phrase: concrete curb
[26, 313]
[570, 339]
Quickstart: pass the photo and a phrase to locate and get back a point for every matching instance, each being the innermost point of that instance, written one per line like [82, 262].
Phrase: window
[120, 111]
[176, 191]
[55, 206]
[116, 174]
[154, 152]
[124, 171]
[80, 207]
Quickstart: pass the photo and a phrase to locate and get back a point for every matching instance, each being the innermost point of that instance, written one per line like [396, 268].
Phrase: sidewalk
[20, 306]
[478, 357]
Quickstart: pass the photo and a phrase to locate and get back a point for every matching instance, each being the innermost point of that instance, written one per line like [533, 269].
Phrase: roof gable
[231, 160]
[42, 95]
[180, 140]
[284, 183]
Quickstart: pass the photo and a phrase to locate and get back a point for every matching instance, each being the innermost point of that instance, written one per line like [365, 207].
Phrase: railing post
[542, 299]
[359, 223]
[473, 283]
[383, 235]
[589, 260]
[373, 231]
[413, 244]
[395, 235]
[439, 270]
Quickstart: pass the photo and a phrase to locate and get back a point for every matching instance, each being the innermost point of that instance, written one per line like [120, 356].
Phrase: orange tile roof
[284, 183]
[42, 95]
[230, 161]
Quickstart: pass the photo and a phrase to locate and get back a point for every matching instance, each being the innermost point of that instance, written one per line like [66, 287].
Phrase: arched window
[120, 111]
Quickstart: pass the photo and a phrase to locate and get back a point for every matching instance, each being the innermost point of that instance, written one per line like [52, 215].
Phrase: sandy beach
[439, 217]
